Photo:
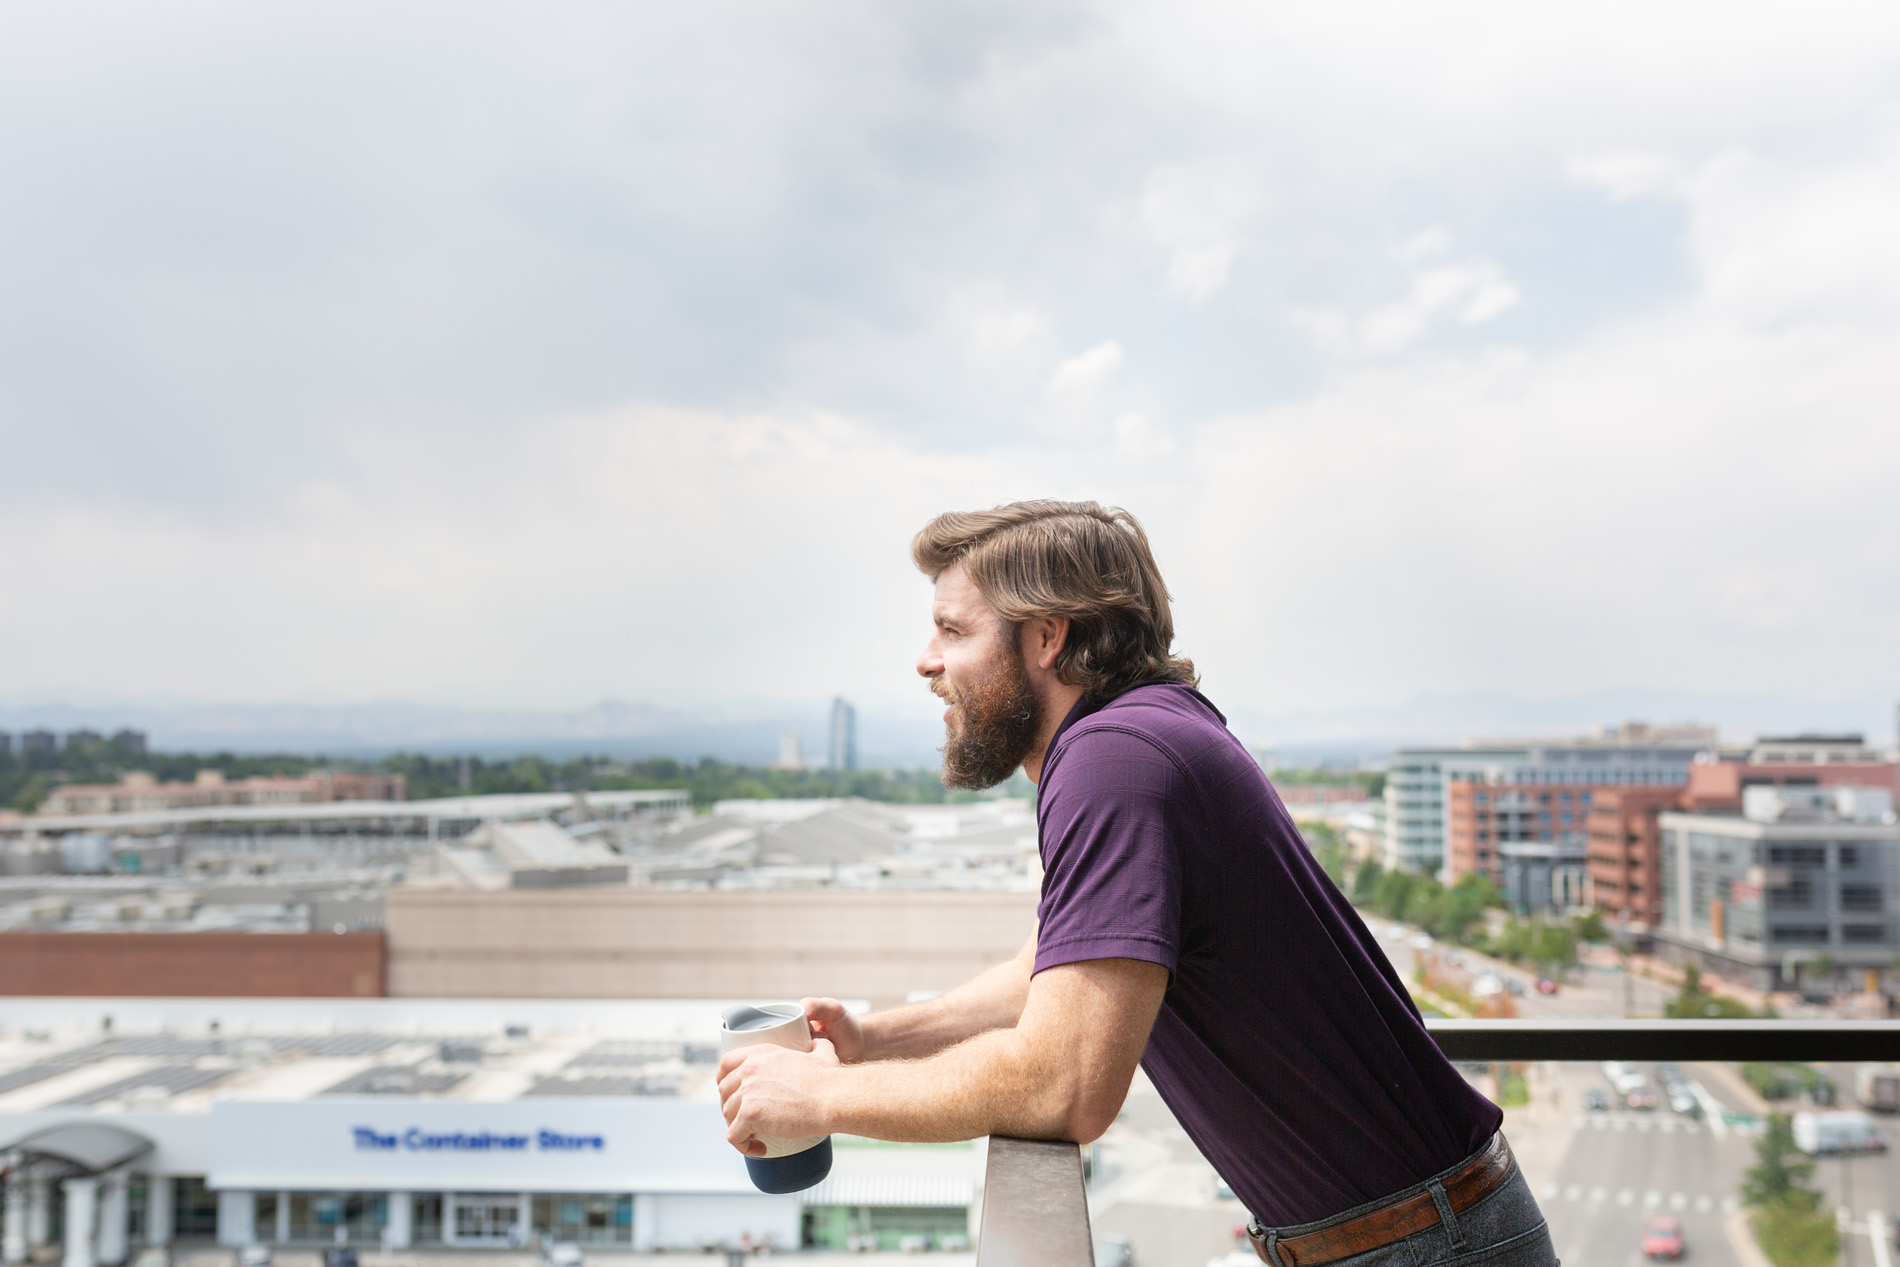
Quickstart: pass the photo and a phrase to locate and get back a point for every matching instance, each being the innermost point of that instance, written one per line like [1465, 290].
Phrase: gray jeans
[1505, 1229]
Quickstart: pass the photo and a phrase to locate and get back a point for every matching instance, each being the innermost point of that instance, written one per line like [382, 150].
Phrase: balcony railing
[1035, 1207]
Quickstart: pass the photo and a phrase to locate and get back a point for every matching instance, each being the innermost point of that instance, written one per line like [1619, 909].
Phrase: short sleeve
[1111, 857]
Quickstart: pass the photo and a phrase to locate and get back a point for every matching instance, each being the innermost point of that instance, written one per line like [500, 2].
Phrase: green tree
[1365, 882]
[1774, 1177]
[1395, 893]
[1694, 1003]
[1787, 1218]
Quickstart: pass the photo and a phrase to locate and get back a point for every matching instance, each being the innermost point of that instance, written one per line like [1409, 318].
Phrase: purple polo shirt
[1286, 1045]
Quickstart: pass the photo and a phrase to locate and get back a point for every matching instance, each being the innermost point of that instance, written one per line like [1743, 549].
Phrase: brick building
[1624, 826]
[137, 791]
[192, 964]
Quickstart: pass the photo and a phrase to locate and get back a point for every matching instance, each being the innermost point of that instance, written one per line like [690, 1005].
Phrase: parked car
[1595, 1100]
[253, 1256]
[561, 1254]
[343, 1256]
[1640, 1098]
[1683, 1101]
[1487, 985]
[1663, 1239]
[1114, 1251]
[1546, 986]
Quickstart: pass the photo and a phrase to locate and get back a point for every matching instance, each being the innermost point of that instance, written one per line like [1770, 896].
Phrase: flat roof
[181, 1054]
[442, 809]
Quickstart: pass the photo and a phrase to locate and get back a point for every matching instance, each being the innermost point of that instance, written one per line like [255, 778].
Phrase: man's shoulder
[1170, 718]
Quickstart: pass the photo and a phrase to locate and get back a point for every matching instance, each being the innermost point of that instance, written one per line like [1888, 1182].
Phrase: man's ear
[1046, 637]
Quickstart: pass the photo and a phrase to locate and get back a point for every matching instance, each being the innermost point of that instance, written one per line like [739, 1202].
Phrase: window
[1848, 855]
[1862, 934]
[1799, 935]
[1797, 894]
[1860, 897]
[588, 1218]
[1798, 855]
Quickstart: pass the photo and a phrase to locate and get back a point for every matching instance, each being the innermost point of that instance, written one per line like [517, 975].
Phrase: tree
[1697, 1004]
[1365, 883]
[1395, 893]
[1774, 1177]
[1787, 1218]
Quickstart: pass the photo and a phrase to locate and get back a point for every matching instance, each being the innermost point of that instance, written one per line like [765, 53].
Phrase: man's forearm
[989, 1084]
[993, 999]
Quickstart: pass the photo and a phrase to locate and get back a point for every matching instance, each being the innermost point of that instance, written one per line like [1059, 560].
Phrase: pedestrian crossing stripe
[1651, 1200]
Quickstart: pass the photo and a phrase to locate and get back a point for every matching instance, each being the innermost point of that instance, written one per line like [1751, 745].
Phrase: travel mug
[789, 1165]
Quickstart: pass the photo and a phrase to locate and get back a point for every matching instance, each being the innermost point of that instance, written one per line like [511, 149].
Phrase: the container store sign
[549, 1145]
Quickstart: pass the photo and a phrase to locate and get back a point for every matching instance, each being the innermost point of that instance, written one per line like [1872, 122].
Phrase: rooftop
[181, 1055]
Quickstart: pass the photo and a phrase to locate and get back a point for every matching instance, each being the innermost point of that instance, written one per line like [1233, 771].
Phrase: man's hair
[1076, 559]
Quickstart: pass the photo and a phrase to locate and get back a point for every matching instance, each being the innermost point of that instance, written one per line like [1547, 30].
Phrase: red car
[1546, 986]
[1663, 1239]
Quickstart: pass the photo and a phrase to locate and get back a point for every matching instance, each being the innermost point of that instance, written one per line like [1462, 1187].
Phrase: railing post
[1035, 1208]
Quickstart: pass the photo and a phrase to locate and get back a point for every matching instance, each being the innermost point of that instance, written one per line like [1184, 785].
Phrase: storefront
[518, 1125]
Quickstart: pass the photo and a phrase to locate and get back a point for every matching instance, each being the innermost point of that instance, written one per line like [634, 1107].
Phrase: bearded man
[1183, 926]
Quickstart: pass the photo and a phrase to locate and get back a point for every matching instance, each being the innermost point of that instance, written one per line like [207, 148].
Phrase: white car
[1487, 985]
[1422, 942]
[561, 1254]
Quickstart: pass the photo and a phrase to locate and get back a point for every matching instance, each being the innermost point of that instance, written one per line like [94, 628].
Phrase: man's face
[975, 666]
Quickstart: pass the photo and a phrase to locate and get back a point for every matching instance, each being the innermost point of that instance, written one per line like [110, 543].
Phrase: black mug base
[794, 1173]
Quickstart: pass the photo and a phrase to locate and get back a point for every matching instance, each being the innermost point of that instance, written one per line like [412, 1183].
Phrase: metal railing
[1035, 1206]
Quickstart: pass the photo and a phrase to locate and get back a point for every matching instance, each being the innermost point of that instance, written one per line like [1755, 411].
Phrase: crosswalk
[1627, 1198]
[1665, 1124]
[1635, 1122]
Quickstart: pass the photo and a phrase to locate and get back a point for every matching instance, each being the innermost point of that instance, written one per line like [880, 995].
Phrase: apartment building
[1800, 890]
[1455, 810]
[1625, 832]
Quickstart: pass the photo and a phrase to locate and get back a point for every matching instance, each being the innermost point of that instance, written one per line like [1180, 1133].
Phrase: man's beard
[999, 717]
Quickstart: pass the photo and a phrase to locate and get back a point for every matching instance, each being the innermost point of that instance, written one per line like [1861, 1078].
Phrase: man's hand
[829, 1020]
[770, 1090]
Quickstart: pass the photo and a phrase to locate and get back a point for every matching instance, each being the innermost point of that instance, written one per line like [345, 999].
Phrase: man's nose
[929, 663]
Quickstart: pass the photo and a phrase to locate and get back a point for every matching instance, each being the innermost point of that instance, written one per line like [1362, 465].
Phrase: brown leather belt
[1404, 1217]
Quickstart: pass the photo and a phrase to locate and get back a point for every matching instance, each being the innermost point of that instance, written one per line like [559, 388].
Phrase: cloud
[1467, 292]
[508, 358]
[1078, 382]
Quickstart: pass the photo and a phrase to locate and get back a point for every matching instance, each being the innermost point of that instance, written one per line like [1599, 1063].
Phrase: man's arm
[1061, 1072]
[993, 999]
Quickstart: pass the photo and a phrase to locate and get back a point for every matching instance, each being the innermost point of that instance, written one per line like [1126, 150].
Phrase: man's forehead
[957, 595]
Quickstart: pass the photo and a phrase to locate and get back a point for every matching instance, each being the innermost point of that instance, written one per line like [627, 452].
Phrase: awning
[91, 1146]
[888, 1190]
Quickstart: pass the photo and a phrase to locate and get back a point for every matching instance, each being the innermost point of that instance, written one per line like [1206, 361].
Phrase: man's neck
[1057, 702]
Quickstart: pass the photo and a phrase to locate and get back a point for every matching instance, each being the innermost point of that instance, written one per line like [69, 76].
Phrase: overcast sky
[567, 352]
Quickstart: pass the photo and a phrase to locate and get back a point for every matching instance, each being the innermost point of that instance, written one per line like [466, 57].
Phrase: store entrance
[489, 1218]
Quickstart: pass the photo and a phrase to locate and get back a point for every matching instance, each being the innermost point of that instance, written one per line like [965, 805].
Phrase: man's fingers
[822, 1009]
[729, 1084]
[822, 1048]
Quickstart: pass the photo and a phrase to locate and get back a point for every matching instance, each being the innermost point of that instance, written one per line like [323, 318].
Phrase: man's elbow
[1089, 1116]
